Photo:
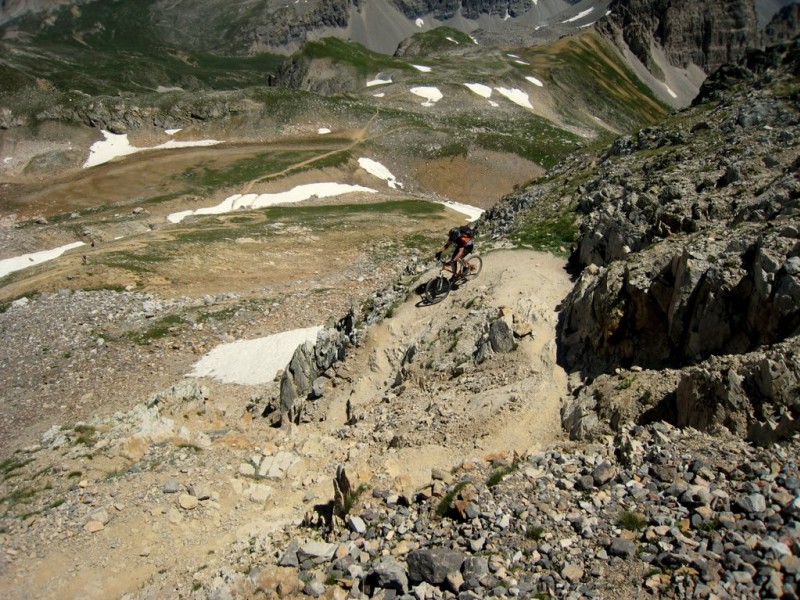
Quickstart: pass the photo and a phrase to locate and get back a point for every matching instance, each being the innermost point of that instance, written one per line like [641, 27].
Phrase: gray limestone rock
[433, 566]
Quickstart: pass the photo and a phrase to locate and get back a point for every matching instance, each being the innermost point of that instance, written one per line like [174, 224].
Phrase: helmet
[454, 234]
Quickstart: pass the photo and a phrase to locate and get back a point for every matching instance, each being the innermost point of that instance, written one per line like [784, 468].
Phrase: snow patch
[449, 39]
[522, 62]
[296, 194]
[670, 92]
[323, 130]
[534, 81]
[115, 145]
[253, 362]
[482, 90]
[375, 168]
[17, 263]
[422, 68]
[516, 96]
[473, 212]
[580, 15]
[381, 95]
[172, 131]
[419, 23]
[375, 82]
[432, 94]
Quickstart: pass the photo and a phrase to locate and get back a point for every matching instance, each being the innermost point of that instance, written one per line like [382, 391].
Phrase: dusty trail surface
[124, 521]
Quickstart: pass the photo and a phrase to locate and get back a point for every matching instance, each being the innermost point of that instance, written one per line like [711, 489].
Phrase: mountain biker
[462, 238]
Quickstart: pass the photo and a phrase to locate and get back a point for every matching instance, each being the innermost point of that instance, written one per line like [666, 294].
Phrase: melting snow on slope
[516, 96]
[432, 94]
[535, 81]
[374, 82]
[115, 145]
[449, 39]
[17, 263]
[670, 92]
[482, 90]
[422, 68]
[296, 194]
[253, 362]
[375, 168]
[579, 16]
[473, 212]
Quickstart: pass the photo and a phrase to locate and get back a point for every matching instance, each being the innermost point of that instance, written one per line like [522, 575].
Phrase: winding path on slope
[518, 412]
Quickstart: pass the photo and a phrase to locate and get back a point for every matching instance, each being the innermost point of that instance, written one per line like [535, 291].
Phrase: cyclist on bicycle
[462, 238]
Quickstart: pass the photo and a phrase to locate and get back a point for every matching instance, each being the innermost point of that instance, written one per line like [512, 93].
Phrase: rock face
[693, 250]
[689, 250]
[308, 363]
[784, 25]
[692, 254]
[707, 34]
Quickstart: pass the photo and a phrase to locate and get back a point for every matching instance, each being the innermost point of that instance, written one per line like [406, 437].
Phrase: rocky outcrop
[706, 34]
[690, 256]
[322, 76]
[756, 396]
[784, 26]
[301, 379]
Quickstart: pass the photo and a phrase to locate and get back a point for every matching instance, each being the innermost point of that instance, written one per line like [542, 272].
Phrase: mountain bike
[439, 287]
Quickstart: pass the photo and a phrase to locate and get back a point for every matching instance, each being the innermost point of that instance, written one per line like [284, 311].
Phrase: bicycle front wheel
[436, 290]
[474, 265]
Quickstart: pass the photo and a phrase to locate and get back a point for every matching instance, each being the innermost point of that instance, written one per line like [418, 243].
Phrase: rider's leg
[455, 262]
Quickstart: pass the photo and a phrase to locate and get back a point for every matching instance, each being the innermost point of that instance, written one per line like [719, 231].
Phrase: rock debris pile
[677, 513]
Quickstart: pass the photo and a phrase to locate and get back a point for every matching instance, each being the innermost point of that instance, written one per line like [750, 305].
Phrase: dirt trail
[508, 404]
[529, 284]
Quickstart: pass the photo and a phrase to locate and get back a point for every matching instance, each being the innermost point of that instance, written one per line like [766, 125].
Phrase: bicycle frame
[448, 267]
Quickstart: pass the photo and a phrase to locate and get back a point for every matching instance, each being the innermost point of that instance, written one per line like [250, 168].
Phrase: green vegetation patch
[161, 328]
[439, 39]
[365, 61]
[446, 503]
[632, 521]
[498, 475]
[9, 467]
[549, 235]
[530, 137]
[308, 214]
[137, 262]
[260, 166]
[85, 435]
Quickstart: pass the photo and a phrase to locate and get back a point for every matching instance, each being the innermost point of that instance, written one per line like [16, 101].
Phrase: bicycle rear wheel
[474, 265]
[436, 290]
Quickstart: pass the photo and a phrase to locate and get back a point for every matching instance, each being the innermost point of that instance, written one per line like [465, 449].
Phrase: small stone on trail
[188, 502]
